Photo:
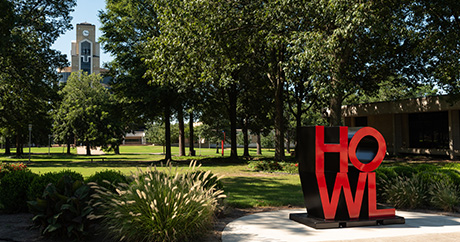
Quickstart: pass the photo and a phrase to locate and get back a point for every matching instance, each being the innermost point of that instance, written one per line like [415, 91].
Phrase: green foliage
[39, 183]
[290, 167]
[157, 207]
[63, 209]
[274, 166]
[454, 175]
[406, 192]
[87, 111]
[9, 167]
[426, 167]
[383, 175]
[28, 76]
[429, 177]
[108, 179]
[13, 190]
[444, 195]
[265, 165]
[268, 141]
[404, 171]
[156, 133]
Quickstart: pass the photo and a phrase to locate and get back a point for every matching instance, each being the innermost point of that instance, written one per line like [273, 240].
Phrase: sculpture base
[319, 223]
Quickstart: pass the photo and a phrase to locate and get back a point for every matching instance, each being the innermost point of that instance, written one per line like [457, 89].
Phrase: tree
[86, 111]
[28, 77]
[437, 24]
[127, 27]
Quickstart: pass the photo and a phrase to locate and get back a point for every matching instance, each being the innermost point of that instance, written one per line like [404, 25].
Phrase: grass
[243, 187]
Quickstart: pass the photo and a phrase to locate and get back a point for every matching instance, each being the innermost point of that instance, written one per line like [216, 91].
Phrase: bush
[9, 167]
[13, 190]
[157, 207]
[404, 171]
[291, 167]
[406, 192]
[63, 211]
[453, 174]
[444, 195]
[111, 178]
[429, 177]
[40, 182]
[263, 165]
[426, 167]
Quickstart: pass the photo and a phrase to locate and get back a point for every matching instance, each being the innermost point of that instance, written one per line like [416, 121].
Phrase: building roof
[414, 105]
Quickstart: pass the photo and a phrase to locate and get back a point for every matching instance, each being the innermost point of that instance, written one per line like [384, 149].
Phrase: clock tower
[85, 50]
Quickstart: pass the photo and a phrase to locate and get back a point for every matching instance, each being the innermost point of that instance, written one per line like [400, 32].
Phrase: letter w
[330, 205]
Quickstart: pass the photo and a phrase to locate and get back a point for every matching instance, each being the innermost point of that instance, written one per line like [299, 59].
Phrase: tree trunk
[276, 76]
[245, 137]
[288, 142]
[259, 145]
[7, 146]
[180, 117]
[298, 126]
[336, 110]
[232, 94]
[116, 149]
[192, 137]
[19, 145]
[68, 144]
[88, 147]
[167, 114]
[279, 117]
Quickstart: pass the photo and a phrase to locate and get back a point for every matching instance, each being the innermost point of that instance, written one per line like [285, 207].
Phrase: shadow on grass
[261, 191]
[127, 160]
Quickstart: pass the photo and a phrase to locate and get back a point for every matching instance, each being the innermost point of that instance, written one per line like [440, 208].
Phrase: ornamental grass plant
[406, 192]
[157, 207]
[444, 195]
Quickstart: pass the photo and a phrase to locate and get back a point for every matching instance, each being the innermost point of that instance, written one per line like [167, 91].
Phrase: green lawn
[243, 187]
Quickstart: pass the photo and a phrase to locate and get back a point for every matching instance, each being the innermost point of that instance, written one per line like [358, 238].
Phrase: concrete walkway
[276, 226]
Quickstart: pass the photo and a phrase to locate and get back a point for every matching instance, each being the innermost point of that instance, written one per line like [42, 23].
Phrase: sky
[85, 11]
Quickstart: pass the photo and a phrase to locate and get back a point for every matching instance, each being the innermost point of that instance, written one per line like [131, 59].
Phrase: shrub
[429, 177]
[444, 195]
[426, 167]
[9, 167]
[454, 175]
[40, 182]
[291, 168]
[157, 207]
[63, 211]
[404, 171]
[13, 190]
[406, 192]
[111, 178]
[263, 165]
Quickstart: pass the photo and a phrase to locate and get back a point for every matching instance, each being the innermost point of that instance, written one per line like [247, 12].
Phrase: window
[85, 56]
[429, 130]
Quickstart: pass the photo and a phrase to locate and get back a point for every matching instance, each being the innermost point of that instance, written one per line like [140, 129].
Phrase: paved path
[276, 226]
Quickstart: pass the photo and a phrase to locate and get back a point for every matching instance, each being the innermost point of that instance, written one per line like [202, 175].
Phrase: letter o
[360, 134]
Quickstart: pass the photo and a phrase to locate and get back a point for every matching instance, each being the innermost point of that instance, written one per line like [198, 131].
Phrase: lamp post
[30, 138]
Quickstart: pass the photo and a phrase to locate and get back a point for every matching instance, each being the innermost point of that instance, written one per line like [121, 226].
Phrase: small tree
[85, 111]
